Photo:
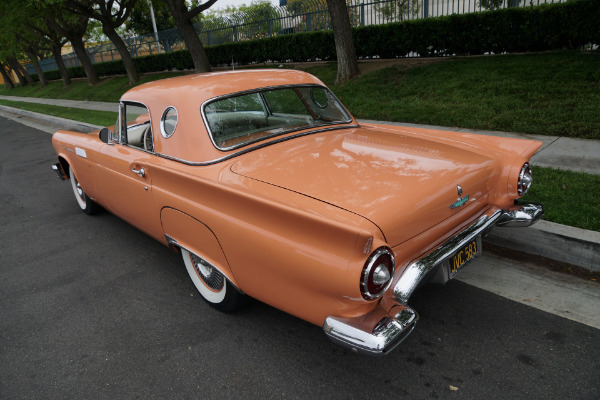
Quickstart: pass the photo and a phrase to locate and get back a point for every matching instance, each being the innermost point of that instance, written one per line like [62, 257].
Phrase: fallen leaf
[528, 300]
[453, 388]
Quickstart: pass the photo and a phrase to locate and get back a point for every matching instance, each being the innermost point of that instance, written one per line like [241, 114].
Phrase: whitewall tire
[212, 285]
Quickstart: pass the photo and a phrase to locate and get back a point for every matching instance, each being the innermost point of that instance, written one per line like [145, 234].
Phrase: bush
[567, 25]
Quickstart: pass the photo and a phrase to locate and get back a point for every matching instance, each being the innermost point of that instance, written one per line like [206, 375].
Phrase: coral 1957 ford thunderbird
[269, 188]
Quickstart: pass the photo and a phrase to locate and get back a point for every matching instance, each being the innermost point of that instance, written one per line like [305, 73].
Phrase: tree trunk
[14, 65]
[114, 37]
[17, 65]
[56, 53]
[38, 68]
[8, 83]
[88, 67]
[344, 42]
[193, 43]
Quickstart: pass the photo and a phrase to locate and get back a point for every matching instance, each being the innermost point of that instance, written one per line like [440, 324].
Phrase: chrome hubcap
[79, 190]
[209, 274]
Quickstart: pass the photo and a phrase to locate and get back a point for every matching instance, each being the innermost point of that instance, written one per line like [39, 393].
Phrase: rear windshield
[238, 120]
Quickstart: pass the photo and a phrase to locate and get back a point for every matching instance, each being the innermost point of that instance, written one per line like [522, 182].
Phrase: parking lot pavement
[92, 308]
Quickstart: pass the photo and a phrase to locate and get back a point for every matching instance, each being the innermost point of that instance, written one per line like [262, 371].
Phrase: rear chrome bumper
[379, 332]
[375, 333]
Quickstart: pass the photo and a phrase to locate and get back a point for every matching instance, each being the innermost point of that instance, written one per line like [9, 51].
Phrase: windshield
[238, 120]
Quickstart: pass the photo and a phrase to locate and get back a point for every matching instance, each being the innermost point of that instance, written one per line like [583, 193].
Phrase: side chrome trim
[170, 240]
[376, 333]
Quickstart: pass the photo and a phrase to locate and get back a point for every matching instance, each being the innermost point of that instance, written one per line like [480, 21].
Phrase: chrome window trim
[163, 132]
[250, 149]
[259, 90]
[123, 128]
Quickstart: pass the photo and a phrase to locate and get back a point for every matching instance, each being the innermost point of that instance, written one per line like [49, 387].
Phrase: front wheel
[213, 286]
[86, 204]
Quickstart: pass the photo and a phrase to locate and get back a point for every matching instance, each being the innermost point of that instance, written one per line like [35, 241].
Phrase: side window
[139, 128]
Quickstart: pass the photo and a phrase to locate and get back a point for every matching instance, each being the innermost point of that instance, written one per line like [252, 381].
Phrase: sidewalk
[553, 241]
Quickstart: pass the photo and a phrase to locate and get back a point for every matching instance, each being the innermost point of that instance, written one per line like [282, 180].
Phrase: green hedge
[568, 25]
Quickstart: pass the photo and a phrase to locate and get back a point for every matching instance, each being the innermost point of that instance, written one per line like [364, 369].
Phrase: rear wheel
[213, 286]
[86, 204]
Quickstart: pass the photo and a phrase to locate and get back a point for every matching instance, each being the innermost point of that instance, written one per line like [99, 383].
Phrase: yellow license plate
[464, 256]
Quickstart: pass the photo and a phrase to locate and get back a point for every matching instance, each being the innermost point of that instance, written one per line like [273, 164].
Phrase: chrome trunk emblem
[461, 200]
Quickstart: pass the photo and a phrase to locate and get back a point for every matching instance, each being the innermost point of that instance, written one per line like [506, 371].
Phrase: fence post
[425, 8]
[235, 33]
[362, 14]
[270, 25]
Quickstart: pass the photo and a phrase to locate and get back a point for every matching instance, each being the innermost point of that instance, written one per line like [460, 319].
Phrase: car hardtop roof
[204, 86]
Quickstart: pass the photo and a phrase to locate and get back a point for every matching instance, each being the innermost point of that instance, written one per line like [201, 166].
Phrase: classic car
[269, 188]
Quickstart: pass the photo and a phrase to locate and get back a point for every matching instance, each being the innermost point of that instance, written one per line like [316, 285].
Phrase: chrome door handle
[140, 172]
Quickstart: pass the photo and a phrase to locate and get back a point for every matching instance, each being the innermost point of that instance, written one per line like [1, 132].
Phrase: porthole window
[168, 122]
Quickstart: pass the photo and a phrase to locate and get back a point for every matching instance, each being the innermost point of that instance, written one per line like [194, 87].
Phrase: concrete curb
[65, 123]
[554, 241]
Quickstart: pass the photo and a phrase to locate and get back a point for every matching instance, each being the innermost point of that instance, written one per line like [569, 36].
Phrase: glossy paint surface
[292, 220]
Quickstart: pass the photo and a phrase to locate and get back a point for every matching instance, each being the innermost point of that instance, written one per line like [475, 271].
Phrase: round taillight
[377, 273]
[525, 179]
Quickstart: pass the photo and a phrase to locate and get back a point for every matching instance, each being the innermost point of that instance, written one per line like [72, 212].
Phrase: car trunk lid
[403, 183]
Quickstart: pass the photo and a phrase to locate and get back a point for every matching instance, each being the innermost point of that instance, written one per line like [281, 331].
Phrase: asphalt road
[92, 308]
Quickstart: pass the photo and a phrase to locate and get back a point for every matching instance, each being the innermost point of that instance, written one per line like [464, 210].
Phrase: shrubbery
[568, 25]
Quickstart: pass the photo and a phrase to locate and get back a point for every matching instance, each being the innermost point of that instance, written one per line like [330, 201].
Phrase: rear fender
[182, 230]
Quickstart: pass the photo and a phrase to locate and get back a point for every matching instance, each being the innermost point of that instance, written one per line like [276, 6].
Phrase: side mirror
[105, 135]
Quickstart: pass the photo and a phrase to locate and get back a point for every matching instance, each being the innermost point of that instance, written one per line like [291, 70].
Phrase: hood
[404, 184]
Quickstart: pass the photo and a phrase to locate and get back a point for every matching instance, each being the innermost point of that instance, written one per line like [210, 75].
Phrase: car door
[125, 170]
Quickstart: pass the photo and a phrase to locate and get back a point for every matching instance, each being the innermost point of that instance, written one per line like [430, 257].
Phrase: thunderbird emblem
[461, 200]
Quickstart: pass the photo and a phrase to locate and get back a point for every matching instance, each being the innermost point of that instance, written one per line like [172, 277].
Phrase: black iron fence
[309, 16]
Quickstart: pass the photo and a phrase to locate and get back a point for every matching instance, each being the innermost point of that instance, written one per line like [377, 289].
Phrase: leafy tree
[399, 10]
[112, 14]
[18, 43]
[140, 22]
[73, 27]
[312, 13]
[183, 16]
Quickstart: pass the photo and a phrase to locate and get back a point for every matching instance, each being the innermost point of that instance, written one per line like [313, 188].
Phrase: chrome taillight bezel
[369, 268]
[525, 179]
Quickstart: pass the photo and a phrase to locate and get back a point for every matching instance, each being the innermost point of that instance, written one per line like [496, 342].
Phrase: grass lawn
[102, 118]
[548, 93]
[544, 93]
[109, 89]
[571, 198]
